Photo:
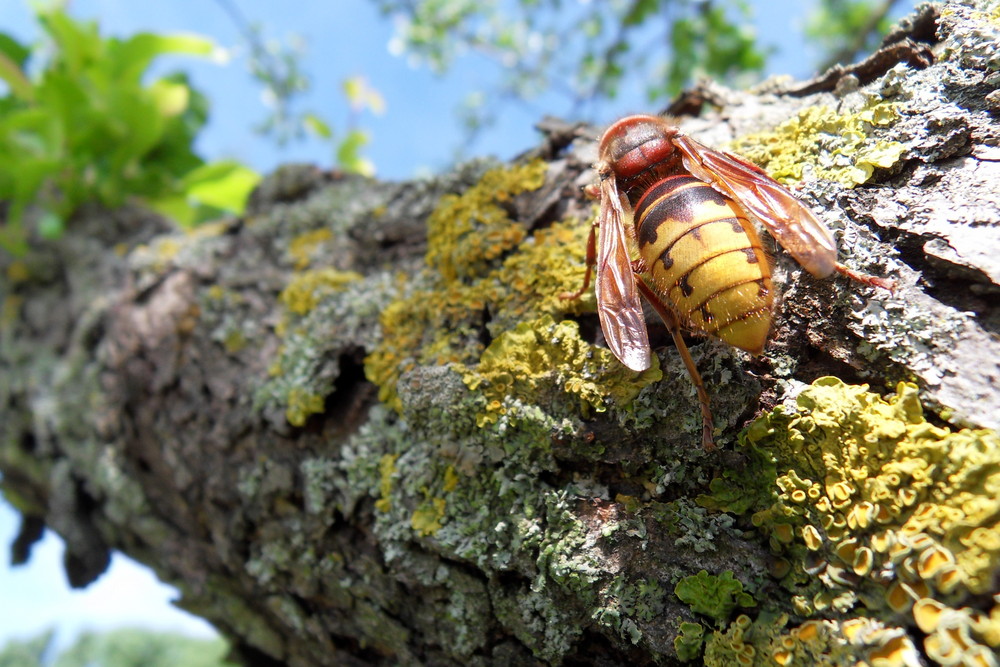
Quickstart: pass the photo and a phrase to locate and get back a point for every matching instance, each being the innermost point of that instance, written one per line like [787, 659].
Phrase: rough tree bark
[358, 426]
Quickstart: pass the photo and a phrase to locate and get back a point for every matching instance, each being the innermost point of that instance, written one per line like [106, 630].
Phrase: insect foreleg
[670, 320]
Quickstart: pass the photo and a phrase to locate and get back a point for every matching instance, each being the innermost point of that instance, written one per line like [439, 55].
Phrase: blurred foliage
[848, 29]
[589, 50]
[84, 127]
[78, 124]
[125, 647]
[26, 652]
[276, 65]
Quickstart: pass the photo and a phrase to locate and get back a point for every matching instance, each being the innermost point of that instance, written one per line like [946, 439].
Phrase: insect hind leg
[670, 321]
[591, 262]
[865, 279]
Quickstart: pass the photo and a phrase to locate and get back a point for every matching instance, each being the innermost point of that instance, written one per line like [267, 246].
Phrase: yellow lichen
[160, 252]
[483, 271]
[301, 405]
[836, 146]
[10, 310]
[450, 479]
[216, 293]
[425, 327]
[426, 519]
[544, 357]
[466, 232]
[532, 280]
[853, 642]
[17, 272]
[305, 290]
[989, 626]
[386, 469]
[875, 506]
[951, 634]
[302, 248]
[234, 341]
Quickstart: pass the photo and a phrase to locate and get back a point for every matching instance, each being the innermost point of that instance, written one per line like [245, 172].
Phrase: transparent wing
[790, 221]
[618, 302]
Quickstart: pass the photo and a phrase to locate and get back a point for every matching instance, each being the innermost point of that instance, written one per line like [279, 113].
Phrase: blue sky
[417, 134]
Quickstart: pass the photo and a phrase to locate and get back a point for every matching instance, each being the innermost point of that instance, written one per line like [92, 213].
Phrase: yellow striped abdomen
[705, 260]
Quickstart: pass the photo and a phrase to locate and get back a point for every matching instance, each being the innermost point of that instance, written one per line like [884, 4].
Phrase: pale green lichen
[182, 249]
[907, 332]
[480, 495]
[715, 596]
[492, 516]
[971, 35]
[222, 313]
[689, 641]
[835, 146]
[876, 512]
[696, 528]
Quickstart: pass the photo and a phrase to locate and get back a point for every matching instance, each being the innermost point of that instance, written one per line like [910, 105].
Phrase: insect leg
[591, 261]
[864, 278]
[670, 320]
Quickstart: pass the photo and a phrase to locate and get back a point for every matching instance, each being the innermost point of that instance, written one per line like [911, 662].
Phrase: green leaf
[11, 72]
[51, 226]
[223, 185]
[640, 11]
[79, 43]
[134, 55]
[12, 238]
[317, 126]
[15, 51]
[176, 207]
[360, 95]
[349, 154]
[88, 128]
[171, 99]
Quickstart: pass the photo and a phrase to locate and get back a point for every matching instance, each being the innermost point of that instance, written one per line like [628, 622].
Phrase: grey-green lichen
[907, 332]
[323, 308]
[973, 31]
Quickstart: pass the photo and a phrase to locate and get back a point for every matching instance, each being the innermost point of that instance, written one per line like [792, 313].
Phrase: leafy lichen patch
[874, 511]
[835, 146]
[715, 596]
